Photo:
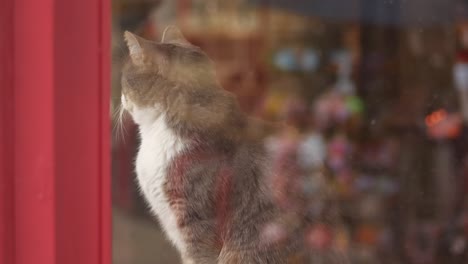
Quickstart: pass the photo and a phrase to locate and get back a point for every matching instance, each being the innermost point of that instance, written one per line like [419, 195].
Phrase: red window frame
[54, 132]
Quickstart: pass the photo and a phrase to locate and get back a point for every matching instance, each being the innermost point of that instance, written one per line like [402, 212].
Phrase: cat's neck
[153, 127]
[149, 120]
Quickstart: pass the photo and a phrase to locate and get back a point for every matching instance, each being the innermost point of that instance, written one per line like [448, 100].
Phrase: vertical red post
[6, 134]
[54, 132]
[105, 212]
[33, 125]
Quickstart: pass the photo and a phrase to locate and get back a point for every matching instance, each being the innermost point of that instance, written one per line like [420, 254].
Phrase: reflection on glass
[371, 98]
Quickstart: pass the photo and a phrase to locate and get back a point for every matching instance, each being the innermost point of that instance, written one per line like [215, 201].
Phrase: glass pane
[355, 146]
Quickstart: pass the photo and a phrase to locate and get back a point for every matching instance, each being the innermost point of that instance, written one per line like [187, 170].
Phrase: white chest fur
[158, 147]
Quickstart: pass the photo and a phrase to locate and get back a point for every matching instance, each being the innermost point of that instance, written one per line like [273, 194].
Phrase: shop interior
[374, 95]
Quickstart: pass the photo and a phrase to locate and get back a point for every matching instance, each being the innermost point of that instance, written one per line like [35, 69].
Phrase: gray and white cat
[201, 165]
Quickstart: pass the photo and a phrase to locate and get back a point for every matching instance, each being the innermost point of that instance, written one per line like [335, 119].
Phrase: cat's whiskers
[119, 127]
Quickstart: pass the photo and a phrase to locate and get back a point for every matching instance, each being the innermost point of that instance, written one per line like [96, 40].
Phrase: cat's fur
[200, 166]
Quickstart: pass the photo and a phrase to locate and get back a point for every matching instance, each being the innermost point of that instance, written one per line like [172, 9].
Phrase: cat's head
[155, 68]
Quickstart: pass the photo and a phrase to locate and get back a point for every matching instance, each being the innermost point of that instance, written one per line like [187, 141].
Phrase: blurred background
[375, 94]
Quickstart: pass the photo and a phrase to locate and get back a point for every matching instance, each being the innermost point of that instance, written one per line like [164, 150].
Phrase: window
[373, 93]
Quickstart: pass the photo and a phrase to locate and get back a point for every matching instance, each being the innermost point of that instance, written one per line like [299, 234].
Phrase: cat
[201, 166]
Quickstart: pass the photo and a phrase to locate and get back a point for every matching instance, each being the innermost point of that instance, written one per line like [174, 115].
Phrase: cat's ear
[134, 44]
[172, 34]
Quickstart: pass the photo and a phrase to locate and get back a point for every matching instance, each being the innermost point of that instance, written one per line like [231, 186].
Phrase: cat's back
[253, 210]
[250, 195]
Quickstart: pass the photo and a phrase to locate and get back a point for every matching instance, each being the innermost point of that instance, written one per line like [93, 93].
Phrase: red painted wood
[54, 153]
[34, 143]
[105, 246]
[82, 80]
[6, 133]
